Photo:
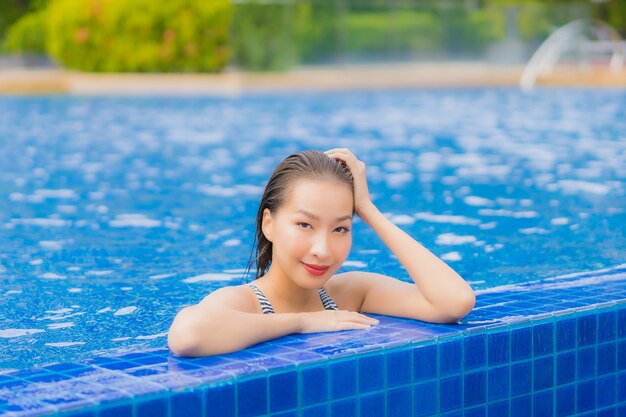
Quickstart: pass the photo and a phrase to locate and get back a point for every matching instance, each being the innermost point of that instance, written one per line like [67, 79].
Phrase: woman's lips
[315, 270]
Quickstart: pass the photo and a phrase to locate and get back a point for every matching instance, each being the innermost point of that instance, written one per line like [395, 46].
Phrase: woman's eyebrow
[313, 216]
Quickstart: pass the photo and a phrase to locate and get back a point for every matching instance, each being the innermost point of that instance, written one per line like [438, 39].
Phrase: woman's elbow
[181, 338]
[465, 306]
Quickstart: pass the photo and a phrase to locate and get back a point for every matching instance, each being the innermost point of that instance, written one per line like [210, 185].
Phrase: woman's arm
[438, 283]
[202, 332]
[215, 326]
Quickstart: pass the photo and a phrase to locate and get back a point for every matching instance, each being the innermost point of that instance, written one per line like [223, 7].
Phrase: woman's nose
[320, 246]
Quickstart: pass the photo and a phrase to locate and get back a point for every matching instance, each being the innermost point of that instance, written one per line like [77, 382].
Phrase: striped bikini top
[329, 304]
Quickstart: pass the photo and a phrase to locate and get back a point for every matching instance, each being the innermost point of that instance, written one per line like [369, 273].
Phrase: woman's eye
[303, 224]
[345, 230]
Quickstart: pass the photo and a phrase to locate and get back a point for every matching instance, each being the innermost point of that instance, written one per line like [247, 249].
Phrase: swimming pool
[117, 212]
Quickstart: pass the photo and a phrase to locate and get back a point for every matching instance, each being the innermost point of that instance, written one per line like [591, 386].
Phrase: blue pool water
[115, 213]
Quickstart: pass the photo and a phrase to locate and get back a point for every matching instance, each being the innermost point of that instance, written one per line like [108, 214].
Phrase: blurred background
[200, 36]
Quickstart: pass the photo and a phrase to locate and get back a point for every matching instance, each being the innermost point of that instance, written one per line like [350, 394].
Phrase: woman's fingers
[359, 318]
[346, 156]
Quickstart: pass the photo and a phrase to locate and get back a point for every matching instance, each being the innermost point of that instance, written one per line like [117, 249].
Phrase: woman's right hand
[334, 320]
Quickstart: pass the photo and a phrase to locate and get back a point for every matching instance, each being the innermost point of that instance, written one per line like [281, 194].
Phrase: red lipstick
[316, 270]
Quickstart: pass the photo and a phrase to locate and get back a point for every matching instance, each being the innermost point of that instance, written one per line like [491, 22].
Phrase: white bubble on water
[9, 333]
[125, 310]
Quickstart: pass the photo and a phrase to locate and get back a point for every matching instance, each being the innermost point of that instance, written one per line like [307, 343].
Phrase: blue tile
[371, 372]
[316, 411]
[220, 400]
[500, 409]
[291, 413]
[586, 330]
[450, 357]
[606, 391]
[542, 339]
[498, 346]
[521, 343]
[609, 412]
[521, 378]
[372, 405]
[621, 354]
[252, 397]
[283, 391]
[117, 365]
[63, 367]
[585, 396]
[80, 413]
[542, 403]
[399, 402]
[450, 394]
[586, 363]
[565, 334]
[498, 380]
[187, 403]
[314, 385]
[621, 323]
[621, 387]
[49, 377]
[425, 399]
[521, 406]
[425, 362]
[153, 407]
[474, 351]
[606, 326]
[475, 388]
[124, 410]
[543, 373]
[452, 414]
[343, 408]
[565, 400]
[607, 358]
[399, 367]
[342, 379]
[565, 367]
[476, 412]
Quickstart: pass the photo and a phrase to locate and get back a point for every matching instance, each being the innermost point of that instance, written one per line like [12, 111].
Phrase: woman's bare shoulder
[345, 291]
[238, 297]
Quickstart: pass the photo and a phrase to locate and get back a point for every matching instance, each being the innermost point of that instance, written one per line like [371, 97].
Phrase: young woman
[303, 229]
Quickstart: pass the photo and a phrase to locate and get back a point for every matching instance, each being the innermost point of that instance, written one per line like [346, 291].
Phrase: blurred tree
[614, 13]
[266, 35]
[139, 35]
[27, 34]
[10, 12]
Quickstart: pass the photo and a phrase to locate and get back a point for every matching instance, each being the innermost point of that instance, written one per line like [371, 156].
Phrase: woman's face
[313, 226]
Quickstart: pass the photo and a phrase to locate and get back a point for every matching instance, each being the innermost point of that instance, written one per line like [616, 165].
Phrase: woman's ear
[267, 224]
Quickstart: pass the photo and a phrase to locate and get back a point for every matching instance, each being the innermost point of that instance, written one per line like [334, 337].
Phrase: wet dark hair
[308, 164]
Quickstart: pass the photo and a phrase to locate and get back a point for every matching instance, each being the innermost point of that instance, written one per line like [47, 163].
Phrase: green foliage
[401, 31]
[10, 12]
[27, 34]
[470, 31]
[139, 35]
[265, 36]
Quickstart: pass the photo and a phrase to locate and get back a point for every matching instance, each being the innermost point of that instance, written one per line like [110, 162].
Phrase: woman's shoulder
[239, 297]
[345, 290]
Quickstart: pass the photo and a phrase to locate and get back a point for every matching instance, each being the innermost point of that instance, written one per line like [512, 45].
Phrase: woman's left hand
[357, 169]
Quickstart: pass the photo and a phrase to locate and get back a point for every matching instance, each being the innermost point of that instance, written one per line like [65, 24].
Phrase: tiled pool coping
[550, 347]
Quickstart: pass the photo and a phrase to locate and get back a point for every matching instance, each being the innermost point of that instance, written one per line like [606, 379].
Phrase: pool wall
[550, 348]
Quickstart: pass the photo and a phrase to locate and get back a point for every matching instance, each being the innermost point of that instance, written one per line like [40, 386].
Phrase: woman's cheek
[346, 245]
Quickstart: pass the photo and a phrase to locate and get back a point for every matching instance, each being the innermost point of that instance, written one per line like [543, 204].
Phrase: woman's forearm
[202, 332]
[439, 283]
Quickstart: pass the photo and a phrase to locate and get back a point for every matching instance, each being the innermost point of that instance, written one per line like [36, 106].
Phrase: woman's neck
[283, 292]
